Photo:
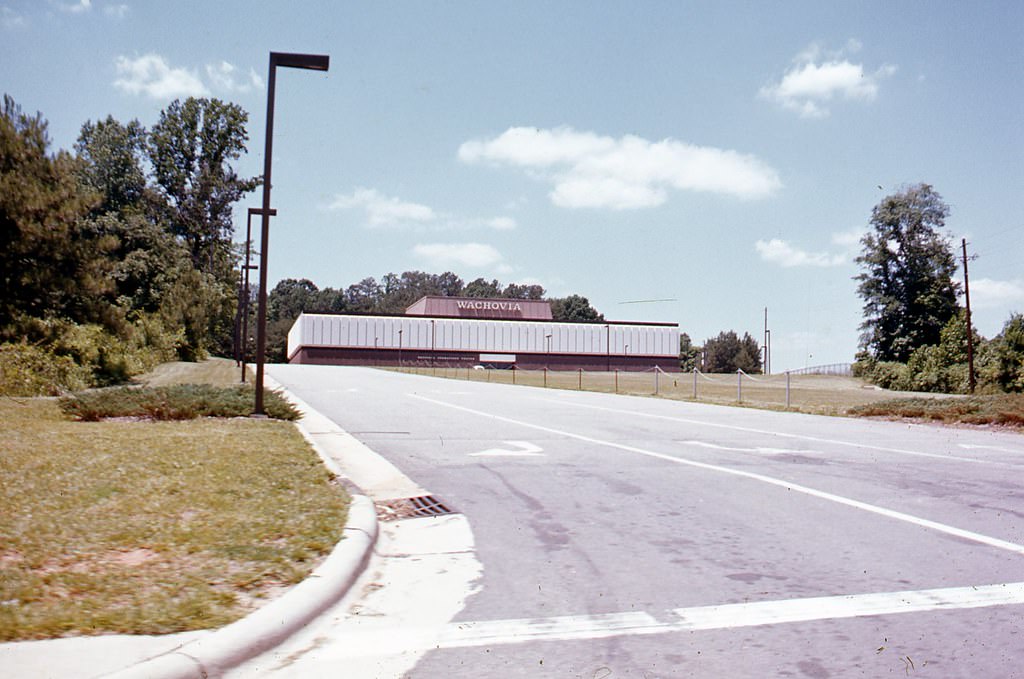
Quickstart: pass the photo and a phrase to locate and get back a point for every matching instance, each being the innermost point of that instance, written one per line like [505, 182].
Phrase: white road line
[760, 450]
[370, 640]
[799, 437]
[839, 499]
[521, 449]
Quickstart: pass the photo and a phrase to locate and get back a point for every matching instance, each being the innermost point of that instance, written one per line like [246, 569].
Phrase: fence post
[787, 390]
[655, 380]
[616, 380]
[513, 375]
[581, 379]
[545, 376]
[695, 383]
[739, 386]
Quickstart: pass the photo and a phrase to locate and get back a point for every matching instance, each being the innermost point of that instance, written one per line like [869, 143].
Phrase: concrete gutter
[224, 648]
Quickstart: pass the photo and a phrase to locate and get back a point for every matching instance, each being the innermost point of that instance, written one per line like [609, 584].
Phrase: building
[466, 332]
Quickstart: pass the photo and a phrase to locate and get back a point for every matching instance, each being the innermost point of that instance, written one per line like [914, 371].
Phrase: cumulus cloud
[381, 210]
[116, 11]
[595, 171]
[776, 251]
[152, 76]
[815, 79]
[10, 18]
[225, 77]
[80, 7]
[475, 255]
[987, 293]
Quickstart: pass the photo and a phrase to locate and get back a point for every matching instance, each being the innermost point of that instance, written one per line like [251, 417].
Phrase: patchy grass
[998, 409]
[153, 527]
[815, 394]
[220, 372]
[173, 402]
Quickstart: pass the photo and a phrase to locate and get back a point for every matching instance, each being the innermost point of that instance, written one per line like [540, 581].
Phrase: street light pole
[312, 62]
[245, 286]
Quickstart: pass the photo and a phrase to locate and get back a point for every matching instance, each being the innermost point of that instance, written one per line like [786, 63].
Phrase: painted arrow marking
[523, 449]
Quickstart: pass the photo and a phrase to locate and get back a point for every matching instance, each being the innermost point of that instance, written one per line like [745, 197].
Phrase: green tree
[907, 281]
[728, 352]
[523, 291]
[574, 309]
[482, 288]
[111, 155]
[48, 264]
[689, 355]
[1005, 367]
[191, 149]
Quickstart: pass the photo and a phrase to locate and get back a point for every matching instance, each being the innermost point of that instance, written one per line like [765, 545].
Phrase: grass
[998, 409]
[817, 394]
[151, 527]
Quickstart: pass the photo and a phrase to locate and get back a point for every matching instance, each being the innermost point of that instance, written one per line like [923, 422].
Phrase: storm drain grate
[411, 508]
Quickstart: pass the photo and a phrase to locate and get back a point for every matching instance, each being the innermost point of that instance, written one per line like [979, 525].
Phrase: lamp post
[399, 348]
[312, 62]
[245, 284]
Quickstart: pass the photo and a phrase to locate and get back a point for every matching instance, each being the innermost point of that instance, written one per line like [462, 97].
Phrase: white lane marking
[968, 446]
[759, 449]
[839, 499]
[698, 618]
[522, 449]
[800, 437]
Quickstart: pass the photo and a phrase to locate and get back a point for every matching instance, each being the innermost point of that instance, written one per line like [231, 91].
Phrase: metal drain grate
[411, 508]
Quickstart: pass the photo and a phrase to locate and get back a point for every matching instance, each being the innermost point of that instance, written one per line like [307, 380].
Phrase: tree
[907, 283]
[689, 355]
[523, 291]
[191, 148]
[1006, 369]
[482, 288]
[728, 353]
[48, 265]
[111, 155]
[574, 309]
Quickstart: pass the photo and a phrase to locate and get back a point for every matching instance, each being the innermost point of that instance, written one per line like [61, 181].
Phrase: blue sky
[725, 156]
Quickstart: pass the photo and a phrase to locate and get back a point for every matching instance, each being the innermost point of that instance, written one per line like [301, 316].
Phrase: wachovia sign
[484, 305]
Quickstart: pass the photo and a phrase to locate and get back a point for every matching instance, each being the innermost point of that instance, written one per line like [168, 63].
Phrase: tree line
[118, 255]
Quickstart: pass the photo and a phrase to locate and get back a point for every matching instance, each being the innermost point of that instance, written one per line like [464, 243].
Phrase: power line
[648, 301]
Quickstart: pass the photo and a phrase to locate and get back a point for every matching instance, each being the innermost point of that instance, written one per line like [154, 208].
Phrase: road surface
[611, 536]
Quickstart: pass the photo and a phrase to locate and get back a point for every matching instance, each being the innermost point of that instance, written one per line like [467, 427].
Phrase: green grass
[998, 409]
[150, 527]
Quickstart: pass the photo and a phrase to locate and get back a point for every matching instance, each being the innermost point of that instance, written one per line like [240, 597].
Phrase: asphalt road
[632, 537]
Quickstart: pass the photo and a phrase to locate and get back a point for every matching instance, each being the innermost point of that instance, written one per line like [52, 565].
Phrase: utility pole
[971, 381]
[767, 345]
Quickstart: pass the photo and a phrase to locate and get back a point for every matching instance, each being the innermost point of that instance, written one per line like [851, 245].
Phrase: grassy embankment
[143, 526]
[817, 394]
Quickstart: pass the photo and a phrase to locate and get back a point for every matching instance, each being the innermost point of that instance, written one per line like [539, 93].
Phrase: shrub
[29, 370]
[177, 402]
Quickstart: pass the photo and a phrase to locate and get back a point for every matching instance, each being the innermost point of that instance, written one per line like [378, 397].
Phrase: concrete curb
[267, 627]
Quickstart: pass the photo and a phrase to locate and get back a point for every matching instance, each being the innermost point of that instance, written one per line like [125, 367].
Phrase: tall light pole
[311, 62]
[245, 284]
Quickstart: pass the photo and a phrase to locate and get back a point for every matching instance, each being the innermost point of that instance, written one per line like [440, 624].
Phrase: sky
[687, 162]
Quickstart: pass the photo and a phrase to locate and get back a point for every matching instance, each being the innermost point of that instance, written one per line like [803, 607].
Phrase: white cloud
[991, 294]
[116, 11]
[809, 84]
[590, 170]
[780, 252]
[501, 223]
[10, 18]
[225, 77]
[151, 75]
[475, 255]
[79, 7]
[382, 210]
